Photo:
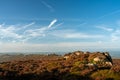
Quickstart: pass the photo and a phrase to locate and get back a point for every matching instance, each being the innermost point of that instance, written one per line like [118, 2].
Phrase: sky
[59, 25]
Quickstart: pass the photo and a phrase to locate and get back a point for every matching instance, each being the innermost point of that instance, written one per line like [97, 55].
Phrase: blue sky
[59, 25]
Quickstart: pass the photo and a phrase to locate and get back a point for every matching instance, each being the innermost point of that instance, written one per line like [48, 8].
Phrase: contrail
[48, 6]
[109, 14]
[29, 25]
[52, 23]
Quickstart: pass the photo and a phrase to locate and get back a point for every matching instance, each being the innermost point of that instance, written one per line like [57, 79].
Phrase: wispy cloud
[115, 35]
[40, 32]
[103, 27]
[109, 14]
[9, 32]
[35, 32]
[59, 24]
[15, 33]
[74, 34]
[82, 35]
[28, 25]
[52, 23]
[48, 6]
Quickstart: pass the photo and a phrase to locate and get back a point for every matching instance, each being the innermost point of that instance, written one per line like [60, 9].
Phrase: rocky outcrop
[99, 59]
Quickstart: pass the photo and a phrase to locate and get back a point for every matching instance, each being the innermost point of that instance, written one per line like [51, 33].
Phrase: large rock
[102, 59]
[99, 59]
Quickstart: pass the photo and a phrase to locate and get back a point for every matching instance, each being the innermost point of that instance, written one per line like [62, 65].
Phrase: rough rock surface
[96, 59]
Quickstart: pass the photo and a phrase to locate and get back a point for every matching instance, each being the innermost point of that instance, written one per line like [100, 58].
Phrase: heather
[76, 65]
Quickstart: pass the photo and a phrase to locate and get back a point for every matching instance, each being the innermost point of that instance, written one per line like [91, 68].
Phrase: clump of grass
[105, 75]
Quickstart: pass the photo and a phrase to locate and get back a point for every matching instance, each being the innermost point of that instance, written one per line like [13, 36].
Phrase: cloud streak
[64, 39]
[115, 35]
[15, 33]
[26, 33]
[9, 32]
[28, 25]
[52, 23]
[81, 35]
[48, 6]
[59, 24]
[105, 28]
[71, 34]
[109, 14]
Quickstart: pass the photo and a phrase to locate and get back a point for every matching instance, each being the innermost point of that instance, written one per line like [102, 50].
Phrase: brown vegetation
[54, 67]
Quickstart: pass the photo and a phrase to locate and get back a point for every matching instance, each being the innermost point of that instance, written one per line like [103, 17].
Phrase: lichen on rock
[99, 59]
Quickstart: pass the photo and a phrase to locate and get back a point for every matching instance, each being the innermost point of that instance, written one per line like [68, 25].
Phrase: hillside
[76, 65]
